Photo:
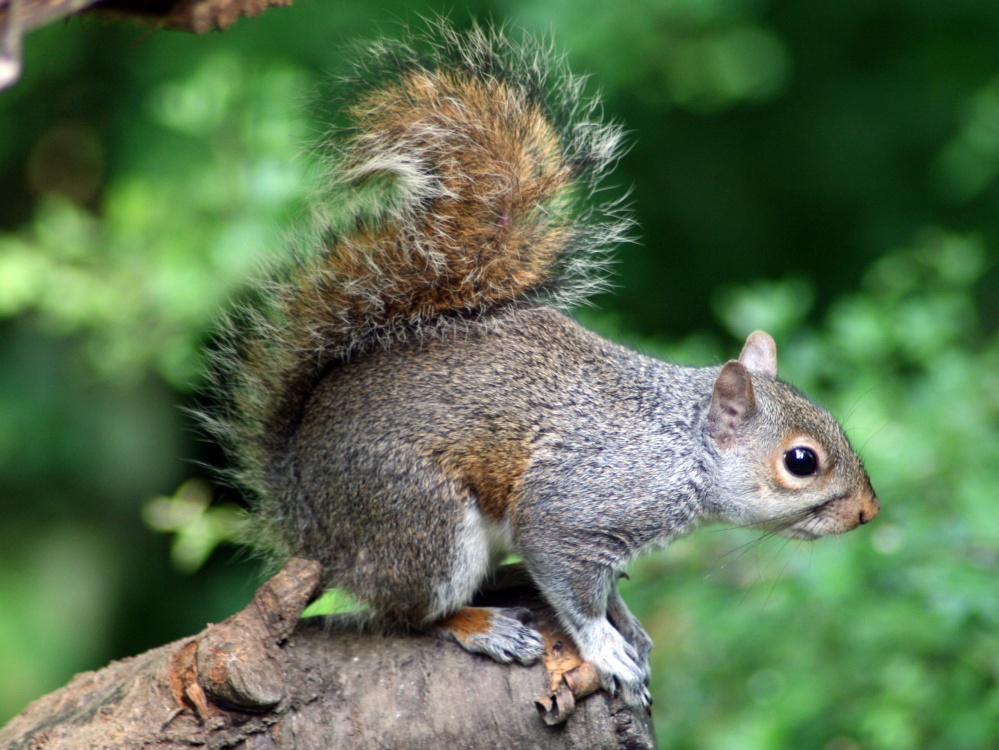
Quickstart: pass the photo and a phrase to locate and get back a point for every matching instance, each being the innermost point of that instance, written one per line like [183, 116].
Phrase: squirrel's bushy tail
[462, 181]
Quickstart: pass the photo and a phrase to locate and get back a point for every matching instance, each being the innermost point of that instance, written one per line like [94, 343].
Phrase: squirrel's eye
[801, 462]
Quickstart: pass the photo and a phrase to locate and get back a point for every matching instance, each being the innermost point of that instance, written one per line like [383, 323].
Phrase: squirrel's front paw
[621, 674]
[637, 696]
[631, 629]
[618, 664]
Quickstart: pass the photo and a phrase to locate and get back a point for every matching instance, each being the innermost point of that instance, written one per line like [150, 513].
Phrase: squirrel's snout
[870, 506]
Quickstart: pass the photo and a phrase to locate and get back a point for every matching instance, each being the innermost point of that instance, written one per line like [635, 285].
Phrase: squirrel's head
[784, 462]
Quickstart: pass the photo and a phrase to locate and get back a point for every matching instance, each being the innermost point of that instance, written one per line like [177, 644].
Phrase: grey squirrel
[408, 403]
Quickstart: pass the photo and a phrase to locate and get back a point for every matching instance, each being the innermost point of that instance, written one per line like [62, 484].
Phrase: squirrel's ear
[759, 354]
[733, 401]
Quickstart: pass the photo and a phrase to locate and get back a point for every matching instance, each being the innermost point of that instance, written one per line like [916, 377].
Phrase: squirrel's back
[460, 183]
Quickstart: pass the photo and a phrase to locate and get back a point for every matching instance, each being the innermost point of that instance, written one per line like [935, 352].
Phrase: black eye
[801, 462]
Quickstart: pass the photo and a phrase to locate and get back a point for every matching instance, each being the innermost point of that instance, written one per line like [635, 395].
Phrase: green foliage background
[824, 170]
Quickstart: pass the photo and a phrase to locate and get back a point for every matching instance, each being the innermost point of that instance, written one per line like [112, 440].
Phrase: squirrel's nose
[870, 506]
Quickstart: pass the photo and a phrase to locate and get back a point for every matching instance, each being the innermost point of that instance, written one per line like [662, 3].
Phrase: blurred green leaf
[197, 526]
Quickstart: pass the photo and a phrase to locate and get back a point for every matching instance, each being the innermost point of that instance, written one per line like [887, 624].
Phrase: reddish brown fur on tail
[490, 219]
[496, 225]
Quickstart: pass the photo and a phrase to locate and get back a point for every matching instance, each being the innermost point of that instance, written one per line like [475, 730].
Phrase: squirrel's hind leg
[499, 632]
[503, 633]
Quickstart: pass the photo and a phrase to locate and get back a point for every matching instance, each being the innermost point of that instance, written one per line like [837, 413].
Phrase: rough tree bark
[266, 679]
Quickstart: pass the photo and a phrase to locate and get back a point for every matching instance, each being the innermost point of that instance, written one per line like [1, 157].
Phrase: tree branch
[18, 17]
[267, 677]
